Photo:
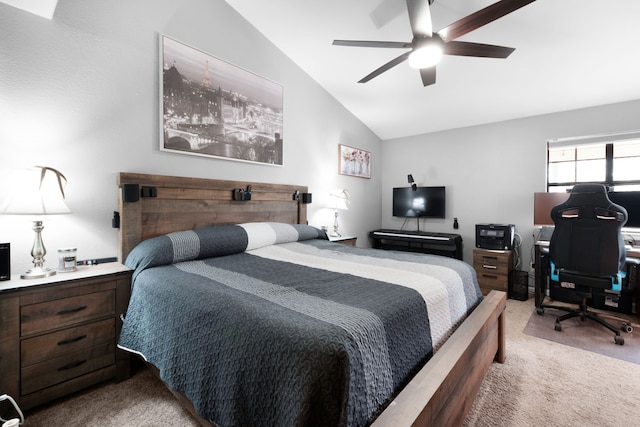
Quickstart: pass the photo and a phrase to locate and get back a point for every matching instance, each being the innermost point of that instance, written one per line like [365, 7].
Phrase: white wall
[80, 93]
[491, 171]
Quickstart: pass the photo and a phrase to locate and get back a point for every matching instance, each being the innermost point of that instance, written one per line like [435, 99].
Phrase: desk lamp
[38, 190]
[338, 200]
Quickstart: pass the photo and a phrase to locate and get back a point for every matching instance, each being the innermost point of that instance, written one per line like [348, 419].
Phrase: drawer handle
[71, 365]
[493, 267]
[489, 277]
[72, 340]
[493, 258]
[73, 310]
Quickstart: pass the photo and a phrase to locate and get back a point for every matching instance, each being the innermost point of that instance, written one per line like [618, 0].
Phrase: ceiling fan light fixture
[425, 56]
[426, 53]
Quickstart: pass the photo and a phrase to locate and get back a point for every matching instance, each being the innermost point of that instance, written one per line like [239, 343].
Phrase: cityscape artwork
[213, 108]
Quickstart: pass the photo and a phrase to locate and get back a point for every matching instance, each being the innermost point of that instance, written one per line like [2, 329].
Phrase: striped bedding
[272, 324]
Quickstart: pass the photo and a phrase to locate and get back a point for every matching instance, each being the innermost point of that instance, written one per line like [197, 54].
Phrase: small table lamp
[338, 200]
[37, 191]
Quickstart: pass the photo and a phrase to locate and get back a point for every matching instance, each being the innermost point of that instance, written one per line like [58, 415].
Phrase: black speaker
[518, 285]
[306, 198]
[5, 261]
[130, 192]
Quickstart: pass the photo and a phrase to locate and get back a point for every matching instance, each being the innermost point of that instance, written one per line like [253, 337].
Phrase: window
[612, 160]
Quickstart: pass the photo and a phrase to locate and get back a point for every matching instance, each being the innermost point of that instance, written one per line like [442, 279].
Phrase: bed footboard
[442, 392]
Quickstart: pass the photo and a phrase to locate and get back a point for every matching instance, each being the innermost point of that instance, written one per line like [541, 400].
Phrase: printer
[495, 236]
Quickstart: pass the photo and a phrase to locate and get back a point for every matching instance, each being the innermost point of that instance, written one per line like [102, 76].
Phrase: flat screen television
[423, 202]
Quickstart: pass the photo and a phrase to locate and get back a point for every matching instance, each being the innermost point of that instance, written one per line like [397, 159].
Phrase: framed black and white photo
[212, 108]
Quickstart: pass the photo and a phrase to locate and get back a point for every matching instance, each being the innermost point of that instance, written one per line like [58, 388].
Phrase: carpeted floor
[542, 382]
[547, 383]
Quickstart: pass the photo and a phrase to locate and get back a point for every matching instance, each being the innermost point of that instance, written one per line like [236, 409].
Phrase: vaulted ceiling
[44, 8]
[569, 54]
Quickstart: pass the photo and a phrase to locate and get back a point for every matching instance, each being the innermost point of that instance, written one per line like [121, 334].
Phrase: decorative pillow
[216, 241]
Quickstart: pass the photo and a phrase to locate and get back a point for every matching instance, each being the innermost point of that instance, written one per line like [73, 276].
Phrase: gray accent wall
[491, 171]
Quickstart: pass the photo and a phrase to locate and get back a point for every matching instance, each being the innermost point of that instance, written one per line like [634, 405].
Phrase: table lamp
[38, 190]
[338, 200]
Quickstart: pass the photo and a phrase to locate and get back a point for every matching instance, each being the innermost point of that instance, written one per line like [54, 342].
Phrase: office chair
[587, 249]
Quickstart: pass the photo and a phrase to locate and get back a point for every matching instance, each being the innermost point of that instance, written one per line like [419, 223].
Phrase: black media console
[418, 241]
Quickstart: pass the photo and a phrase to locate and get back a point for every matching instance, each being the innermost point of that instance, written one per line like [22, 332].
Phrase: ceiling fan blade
[420, 18]
[480, 18]
[367, 43]
[428, 75]
[476, 49]
[385, 12]
[385, 67]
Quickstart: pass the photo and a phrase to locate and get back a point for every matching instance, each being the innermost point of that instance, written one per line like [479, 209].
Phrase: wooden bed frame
[441, 393]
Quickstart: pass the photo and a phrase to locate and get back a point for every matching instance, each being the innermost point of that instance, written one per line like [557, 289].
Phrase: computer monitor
[542, 205]
[544, 202]
[630, 200]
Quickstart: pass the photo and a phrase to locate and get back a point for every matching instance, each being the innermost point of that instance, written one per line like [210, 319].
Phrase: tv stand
[418, 241]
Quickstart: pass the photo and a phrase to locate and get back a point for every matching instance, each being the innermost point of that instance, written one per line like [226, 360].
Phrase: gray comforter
[271, 324]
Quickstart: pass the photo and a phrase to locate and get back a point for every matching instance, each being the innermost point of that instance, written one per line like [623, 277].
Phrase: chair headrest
[588, 188]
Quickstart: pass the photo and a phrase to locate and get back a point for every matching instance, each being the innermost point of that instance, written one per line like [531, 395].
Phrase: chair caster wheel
[540, 311]
[627, 328]
[557, 327]
[619, 340]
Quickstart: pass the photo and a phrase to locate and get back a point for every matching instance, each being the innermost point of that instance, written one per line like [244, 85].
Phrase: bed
[253, 317]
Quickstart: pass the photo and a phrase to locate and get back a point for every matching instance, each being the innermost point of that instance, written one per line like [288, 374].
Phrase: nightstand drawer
[60, 369]
[44, 347]
[50, 315]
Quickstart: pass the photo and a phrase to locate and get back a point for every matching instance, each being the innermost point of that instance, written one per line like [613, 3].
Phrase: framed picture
[212, 108]
[354, 161]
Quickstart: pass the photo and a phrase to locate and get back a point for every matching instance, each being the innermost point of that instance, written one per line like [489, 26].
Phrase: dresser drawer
[44, 347]
[499, 282]
[492, 263]
[54, 314]
[60, 369]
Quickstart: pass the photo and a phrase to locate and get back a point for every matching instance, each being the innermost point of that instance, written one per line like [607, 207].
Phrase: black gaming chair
[587, 249]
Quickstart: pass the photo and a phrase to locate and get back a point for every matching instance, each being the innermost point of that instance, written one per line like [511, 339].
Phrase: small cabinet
[345, 240]
[493, 268]
[59, 334]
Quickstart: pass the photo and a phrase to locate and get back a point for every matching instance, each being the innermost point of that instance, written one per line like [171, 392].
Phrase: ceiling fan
[426, 42]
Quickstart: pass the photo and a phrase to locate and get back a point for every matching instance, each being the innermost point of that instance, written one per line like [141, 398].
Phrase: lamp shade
[38, 190]
[339, 199]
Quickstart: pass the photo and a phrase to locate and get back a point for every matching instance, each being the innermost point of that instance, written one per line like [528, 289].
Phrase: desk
[542, 273]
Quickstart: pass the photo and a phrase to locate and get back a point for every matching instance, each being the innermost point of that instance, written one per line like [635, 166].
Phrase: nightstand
[345, 240]
[58, 334]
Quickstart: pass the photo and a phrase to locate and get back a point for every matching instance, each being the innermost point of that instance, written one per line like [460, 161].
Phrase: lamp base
[37, 273]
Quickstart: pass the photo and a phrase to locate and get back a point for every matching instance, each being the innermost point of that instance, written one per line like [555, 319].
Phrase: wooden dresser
[59, 334]
[493, 268]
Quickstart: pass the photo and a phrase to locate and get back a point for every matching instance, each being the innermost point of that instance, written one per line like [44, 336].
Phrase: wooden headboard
[171, 203]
